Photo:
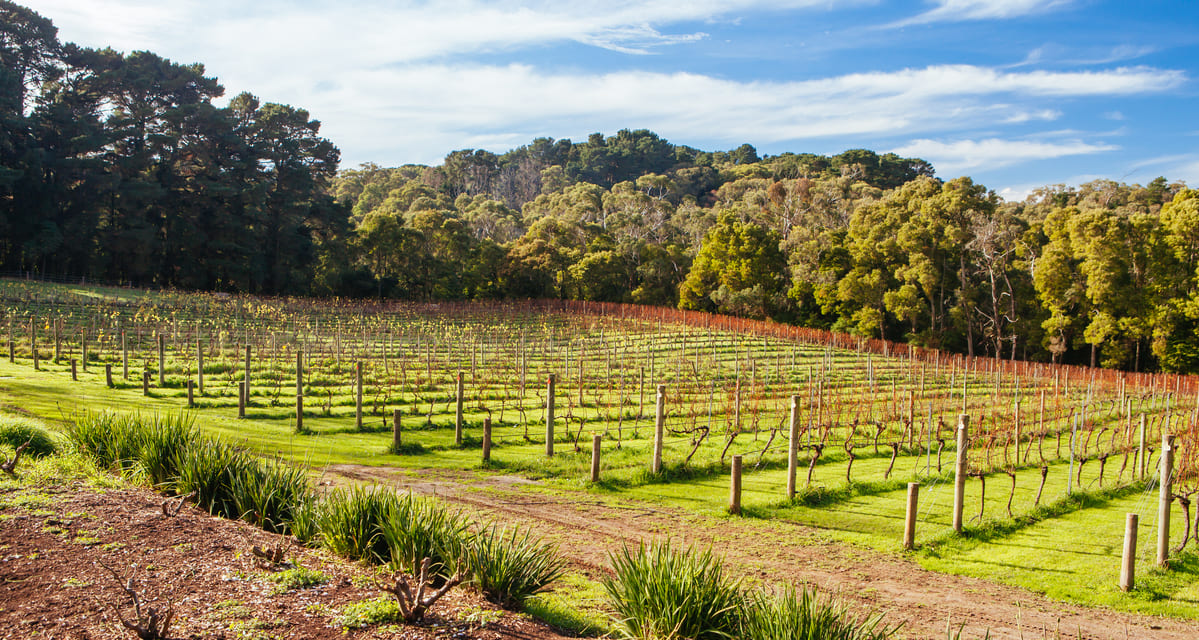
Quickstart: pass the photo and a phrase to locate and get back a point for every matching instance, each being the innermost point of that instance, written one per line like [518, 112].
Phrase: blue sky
[1015, 93]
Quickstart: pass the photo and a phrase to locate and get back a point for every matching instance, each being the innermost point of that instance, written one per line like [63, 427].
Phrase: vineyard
[660, 405]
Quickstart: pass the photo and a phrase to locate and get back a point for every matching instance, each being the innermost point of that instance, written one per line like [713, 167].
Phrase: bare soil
[588, 528]
[54, 584]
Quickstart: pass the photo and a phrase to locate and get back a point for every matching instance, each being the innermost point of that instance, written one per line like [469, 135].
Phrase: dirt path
[586, 528]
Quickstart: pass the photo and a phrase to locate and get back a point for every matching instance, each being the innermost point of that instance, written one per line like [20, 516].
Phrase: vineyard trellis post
[162, 361]
[1141, 450]
[246, 376]
[735, 486]
[358, 395]
[793, 448]
[486, 440]
[241, 397]
[299, 413]
[960, 471]
[909, 523]
[659, 428]
[596, 443]
[458, 393]
[1166, 484]
[397, 429]
[191, 394]
[549, 415]
[200, 365]
[108, 374]
[1128, 565]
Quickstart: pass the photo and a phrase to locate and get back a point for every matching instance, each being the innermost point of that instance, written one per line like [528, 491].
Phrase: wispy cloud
[961, 155]
[433, 108]
[964, 10]
[391, 32]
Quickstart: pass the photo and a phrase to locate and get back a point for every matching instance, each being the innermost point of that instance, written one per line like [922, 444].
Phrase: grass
[574, 604]
[366, 613]
[803, 613]
[509, 565]
[295, 578]
[663, 593]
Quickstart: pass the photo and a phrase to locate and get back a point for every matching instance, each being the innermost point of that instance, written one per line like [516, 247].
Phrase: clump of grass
[350, 522]
[267, 493]
[16, 431]
[804, 614]
[160, 441]
[419, 528]
[113, 441]
[508, 565]
[660, 592]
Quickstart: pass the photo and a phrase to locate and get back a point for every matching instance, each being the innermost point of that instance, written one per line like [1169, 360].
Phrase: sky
[1017, 94]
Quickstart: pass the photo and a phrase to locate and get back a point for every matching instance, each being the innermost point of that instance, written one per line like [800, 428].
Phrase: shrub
[804, 614]
[206, 468]
[659, 593]
[508, 565]
[16, 431]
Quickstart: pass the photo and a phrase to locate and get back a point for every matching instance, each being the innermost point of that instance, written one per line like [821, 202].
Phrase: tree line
[119, 167]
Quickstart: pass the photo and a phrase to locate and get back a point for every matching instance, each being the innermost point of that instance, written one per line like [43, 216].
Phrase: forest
[131, 168]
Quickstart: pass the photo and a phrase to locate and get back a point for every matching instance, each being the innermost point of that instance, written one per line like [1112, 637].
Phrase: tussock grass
[509, 565]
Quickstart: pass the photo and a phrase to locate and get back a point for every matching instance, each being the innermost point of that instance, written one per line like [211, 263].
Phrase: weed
[366, 613]
[508, 565]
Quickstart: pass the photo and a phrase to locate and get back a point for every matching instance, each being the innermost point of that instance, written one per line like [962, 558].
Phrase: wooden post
[33, 341]
[458, 393]
[735, 487]
[1166, 484]
[1016, 435]
[299, 413]
[241, 399]
[959, 477]
[793, 448]
[145, 383]
[1141, 451]
[1128, 566]
[396, 431]
[299, 372]
[247, 374]
[191, 394]
[12, 352]
[486, 440]
[162, 361]
[358, 395]
[74, 372]
[200, 365]
[909, 523]
[549, 415]
[659, 428]
[83, 351]
[596, 442]
[108, 374]
[124, 357]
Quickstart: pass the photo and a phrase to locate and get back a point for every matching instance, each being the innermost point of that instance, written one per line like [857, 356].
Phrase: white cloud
[963, 10]
[419, 112]
[960, 155]
[390, 32]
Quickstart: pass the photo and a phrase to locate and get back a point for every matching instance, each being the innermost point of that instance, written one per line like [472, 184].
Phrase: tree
[739, 270]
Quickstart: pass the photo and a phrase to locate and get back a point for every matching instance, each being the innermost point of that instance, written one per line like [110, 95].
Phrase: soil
[925, 602]
[54, 583]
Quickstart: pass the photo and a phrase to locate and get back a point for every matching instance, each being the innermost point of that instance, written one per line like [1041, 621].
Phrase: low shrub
[508, 565]
[662, 593]
[16, 431]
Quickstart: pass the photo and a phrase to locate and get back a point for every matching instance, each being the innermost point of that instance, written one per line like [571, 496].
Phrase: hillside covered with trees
[123, 168]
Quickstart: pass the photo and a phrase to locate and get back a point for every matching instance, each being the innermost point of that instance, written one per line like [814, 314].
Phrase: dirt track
[925, 601]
